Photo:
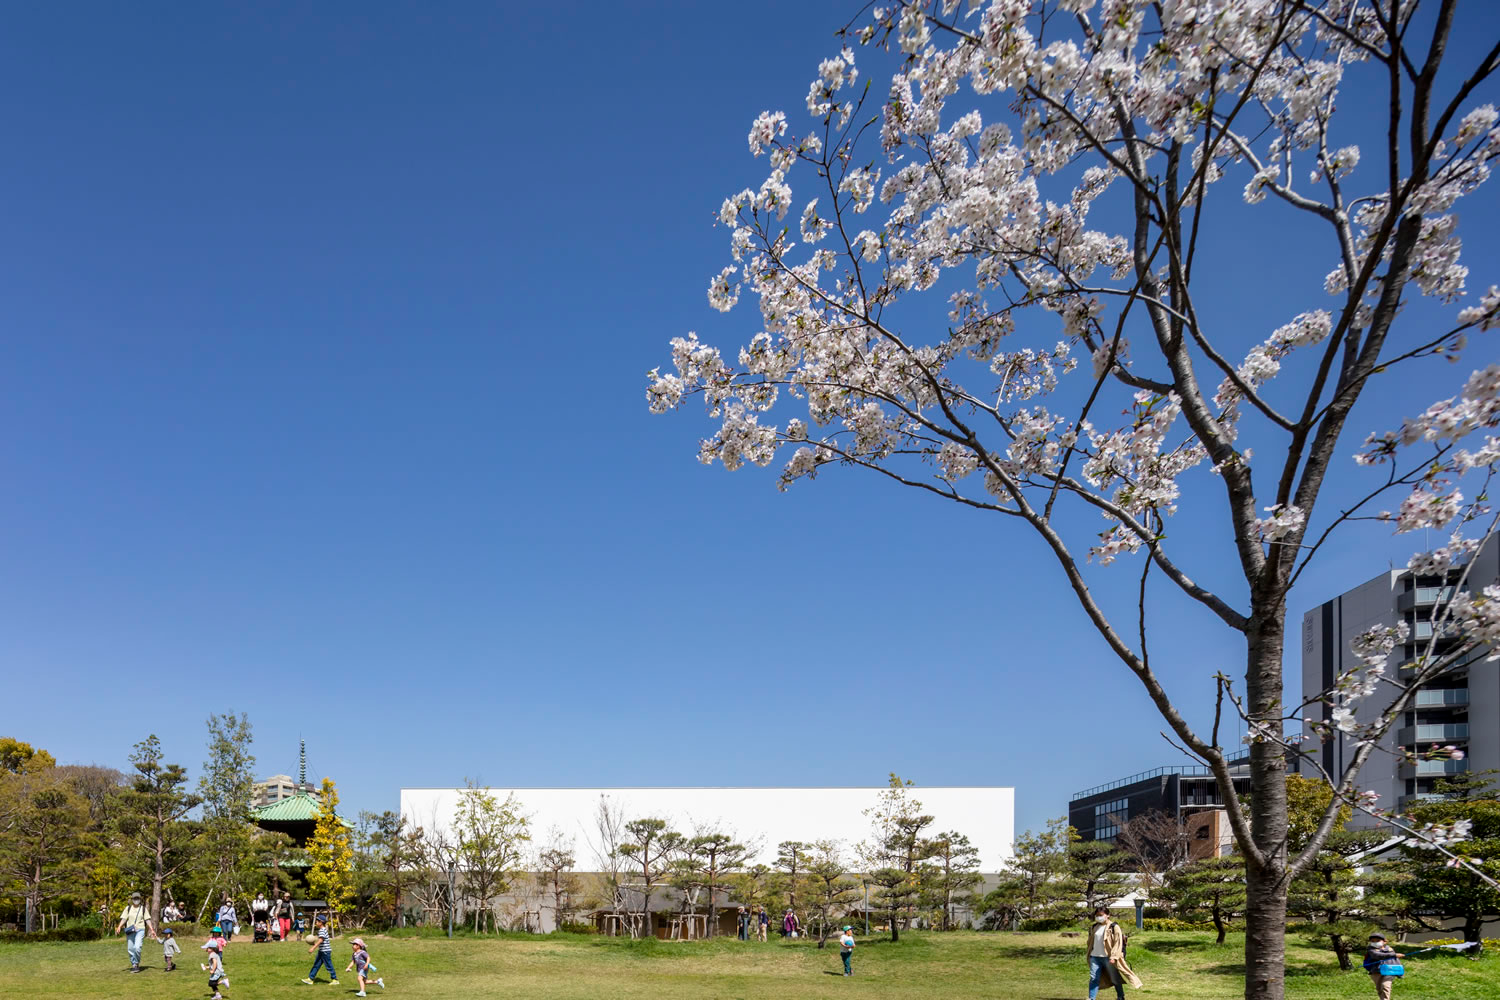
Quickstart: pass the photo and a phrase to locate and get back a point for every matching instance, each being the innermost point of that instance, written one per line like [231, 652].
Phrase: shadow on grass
[1042, 951]
[885, 942]
[1297, 971]
[1164, 947]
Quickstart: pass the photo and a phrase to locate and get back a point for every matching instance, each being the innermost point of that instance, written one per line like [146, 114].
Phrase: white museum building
[759, 818]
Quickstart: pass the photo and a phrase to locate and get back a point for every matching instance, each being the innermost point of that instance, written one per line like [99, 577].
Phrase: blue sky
[322, 399]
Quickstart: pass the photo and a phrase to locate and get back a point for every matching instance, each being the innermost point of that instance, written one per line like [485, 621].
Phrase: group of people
[1106, 954]
[753, 923]
[271, 919]
[135, 924]
[1106, 946]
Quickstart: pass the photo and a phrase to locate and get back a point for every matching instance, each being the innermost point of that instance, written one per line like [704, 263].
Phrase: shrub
[1178, 924]
[56, 934]
[1052, 924]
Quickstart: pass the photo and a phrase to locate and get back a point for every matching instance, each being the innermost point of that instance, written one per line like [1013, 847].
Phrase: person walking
[1382, 965]
[789, 924]
[281, 924]
[1106, 948]
[742, 924]
[260, 911]
[227, 919]
[762, 921]
[169, 950]
[324, 948]
[846, 949]
[135, 922]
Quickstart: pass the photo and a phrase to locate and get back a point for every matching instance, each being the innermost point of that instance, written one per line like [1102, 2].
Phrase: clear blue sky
[322, 399]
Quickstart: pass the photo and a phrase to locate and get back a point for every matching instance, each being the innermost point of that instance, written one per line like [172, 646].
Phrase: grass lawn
[1184, 966]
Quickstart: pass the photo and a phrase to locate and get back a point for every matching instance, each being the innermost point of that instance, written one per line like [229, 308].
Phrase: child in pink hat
[362, 966]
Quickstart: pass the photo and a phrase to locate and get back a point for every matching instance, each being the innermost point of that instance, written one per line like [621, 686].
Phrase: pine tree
[951, 876]
[157, 842]
[1095, 872]
[1433, 885]
[1331, 893]
[1034, 884]
[833, 891]
[1211, 886]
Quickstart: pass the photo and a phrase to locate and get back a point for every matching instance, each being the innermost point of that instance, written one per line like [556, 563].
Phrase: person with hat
[169, 950]
[360, 963]
[846, 949]
[215, 965]
[1382, 965]
[135, 922]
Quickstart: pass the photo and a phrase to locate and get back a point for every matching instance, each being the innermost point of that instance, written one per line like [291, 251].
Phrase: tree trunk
[1473, 923]
[895, 934]
[157, 878]
[713, 909]
[1219, 924]
[1265, 934]
[1266, 883]
[1341, 949]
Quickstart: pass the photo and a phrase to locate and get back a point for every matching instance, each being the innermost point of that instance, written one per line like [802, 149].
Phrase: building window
[1108, 816]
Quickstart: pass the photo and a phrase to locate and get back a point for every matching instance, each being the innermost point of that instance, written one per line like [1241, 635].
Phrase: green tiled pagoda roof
[300, 808]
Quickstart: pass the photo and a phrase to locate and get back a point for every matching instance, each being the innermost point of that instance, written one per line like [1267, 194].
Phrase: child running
[215, 967]
[324, 947]
[846, 949]
[362, 966]
[169, 950]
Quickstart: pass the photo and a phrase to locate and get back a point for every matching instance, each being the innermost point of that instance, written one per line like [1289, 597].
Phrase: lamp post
[452, 902]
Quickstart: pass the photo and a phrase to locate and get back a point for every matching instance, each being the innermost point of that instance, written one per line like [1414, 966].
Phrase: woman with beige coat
[1106, 954]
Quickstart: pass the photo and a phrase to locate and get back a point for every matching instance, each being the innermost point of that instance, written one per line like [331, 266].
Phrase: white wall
[761, 817]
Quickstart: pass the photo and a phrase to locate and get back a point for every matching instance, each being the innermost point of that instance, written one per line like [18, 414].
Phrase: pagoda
[297, 815]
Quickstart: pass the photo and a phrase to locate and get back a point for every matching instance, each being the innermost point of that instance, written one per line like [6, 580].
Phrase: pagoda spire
[302, 764]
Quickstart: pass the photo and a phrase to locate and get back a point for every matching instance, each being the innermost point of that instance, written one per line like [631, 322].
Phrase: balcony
[1432, 733]
[1408, 670]
[1434, 768]
[1422, 631]
[1421, 799]
[1424, 597]
[1442, 697]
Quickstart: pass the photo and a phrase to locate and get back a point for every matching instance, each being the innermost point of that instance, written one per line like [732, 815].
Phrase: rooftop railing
[1185, 770]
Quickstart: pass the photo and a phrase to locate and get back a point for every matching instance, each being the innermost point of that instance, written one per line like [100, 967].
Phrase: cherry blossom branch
[1391, 482]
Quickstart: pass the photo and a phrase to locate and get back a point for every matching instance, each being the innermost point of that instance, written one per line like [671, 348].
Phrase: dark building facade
[1188, 794]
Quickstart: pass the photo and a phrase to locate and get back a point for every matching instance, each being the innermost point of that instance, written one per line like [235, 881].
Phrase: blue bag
[1391, 969]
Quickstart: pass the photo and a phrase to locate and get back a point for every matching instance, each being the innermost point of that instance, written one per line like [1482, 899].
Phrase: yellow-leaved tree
[331, 875]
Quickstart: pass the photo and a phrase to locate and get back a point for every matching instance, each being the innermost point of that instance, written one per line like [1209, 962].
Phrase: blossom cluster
[989, 146]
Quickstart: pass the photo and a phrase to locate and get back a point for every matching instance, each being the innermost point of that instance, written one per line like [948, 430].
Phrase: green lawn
[1187, 966]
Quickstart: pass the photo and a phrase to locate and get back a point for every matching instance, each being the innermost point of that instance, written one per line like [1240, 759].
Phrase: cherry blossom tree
[1004, 129]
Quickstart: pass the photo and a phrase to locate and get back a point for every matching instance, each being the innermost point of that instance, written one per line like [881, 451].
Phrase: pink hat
[358, 942]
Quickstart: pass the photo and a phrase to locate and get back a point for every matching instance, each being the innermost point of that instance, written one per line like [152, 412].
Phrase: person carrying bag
[1383, 963]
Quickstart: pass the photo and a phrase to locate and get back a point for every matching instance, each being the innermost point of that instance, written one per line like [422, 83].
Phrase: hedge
[56, 934]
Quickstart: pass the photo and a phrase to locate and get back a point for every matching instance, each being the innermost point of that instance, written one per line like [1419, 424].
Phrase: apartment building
[1461, 707]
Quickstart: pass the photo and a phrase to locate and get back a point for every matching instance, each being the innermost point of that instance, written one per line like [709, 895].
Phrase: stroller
[262, 932]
